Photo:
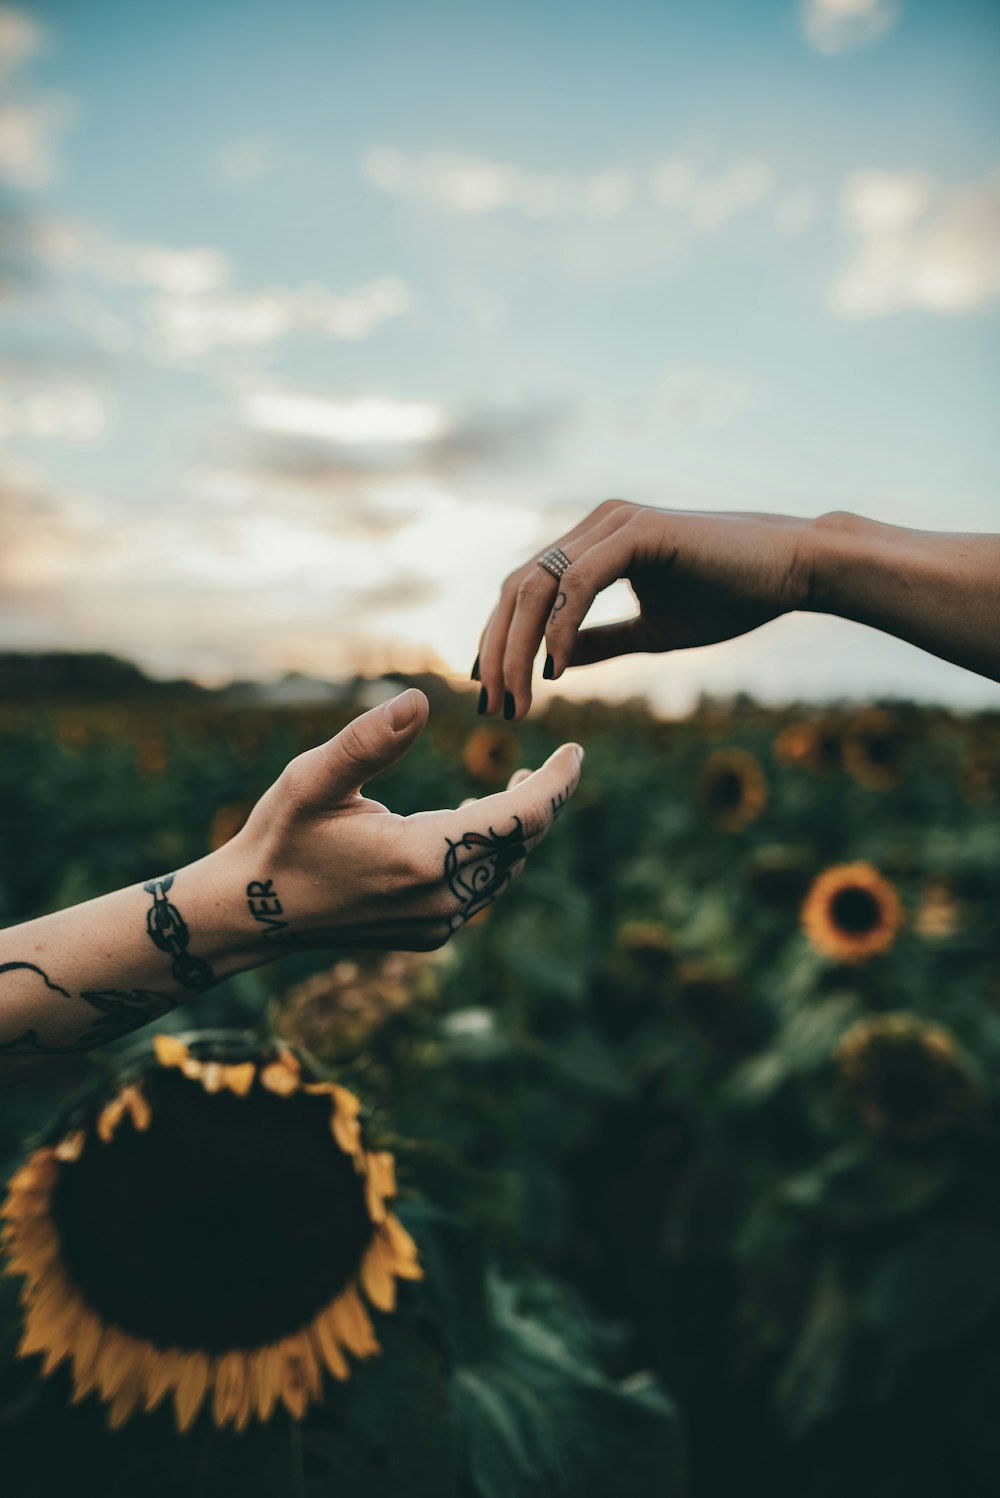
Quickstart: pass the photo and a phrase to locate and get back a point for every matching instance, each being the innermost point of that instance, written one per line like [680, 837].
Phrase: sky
[316, 319]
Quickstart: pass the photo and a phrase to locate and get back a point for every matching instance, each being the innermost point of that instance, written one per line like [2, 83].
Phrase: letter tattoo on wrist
[266, 908]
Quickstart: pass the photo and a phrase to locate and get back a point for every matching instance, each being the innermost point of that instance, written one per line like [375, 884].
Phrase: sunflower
[909, 1079]
[780, 876]
[714, 1005]
[646, 948]
[491, 754]
[939, 914]
[341, 1008]
[210, 1235]
[852, 913]
[732, 789]
[815, 745]
[875, 747]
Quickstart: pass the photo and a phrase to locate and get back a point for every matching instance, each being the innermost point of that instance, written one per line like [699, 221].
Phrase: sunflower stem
[298, 1468]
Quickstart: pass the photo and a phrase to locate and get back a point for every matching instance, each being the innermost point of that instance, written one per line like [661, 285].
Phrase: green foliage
[628, 1073]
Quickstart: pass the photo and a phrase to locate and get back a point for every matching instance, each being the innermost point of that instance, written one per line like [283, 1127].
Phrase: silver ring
[554, 561]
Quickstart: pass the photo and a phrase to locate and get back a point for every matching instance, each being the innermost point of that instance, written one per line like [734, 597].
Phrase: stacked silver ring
[554, 561]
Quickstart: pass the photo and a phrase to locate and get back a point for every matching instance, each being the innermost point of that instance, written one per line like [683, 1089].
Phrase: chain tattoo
[168, 931]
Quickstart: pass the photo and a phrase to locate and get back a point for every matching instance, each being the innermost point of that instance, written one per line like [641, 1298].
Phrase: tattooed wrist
[168, 931]
[266, 908]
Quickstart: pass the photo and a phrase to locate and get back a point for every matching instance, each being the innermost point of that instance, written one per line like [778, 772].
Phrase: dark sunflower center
[228, 1223]
[855, 910]
[882, 749]
[910, 1087]
[726, 790]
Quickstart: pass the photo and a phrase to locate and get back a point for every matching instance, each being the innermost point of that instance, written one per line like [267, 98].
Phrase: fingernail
[549, 669]
[578, 751]
[402, 710]
[509, 706]
[475, 670]
[484, 697]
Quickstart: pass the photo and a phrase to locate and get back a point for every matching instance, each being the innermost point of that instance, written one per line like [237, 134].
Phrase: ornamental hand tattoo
[478, 867]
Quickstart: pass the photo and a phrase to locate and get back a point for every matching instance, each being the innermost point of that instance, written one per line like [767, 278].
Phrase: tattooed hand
[324, 865]
[317, 865]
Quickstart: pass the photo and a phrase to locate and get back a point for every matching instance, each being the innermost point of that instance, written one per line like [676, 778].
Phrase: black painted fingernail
[509, 706]
[475, 671]
[549, 669]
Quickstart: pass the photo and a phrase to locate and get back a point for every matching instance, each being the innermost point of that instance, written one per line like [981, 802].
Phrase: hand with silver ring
[700, 578]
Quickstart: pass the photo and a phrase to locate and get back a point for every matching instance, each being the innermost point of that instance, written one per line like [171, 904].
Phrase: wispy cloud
[840, 25]
[357, 421]
[464, 184]
[51, 409]
[918, 244]
[29, 123]
[187, 327]
[247, 160]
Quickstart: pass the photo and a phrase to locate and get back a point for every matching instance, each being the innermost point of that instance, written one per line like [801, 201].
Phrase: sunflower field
[676, 1172]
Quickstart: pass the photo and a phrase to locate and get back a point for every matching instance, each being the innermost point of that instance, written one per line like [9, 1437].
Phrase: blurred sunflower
[815, 745]
[491, 754]
[227, 820]
[205, 1236]
[909, 1078]
[732, 789]
[875, 747]
[939, 914]
[646, 947]
[852, 913]
[343, 1007]
[780, 876]
[713, 1004]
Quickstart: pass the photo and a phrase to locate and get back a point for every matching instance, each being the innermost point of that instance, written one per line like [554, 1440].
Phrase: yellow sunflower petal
[300, 1375]
[267, 1377]
[325, 1338]
[119, 1360]
[138, 1107]
[162, 1376]
[169, 1050]
[212, 1078]
[109, 1118]
[239, 1079]
[277, 1077]
[192, 1386]
[231, 1382]
[352, 1325]
[403, 1245]
[376, 1274]
[71, 1147]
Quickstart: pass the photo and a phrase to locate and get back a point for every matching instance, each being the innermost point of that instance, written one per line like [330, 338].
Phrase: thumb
[362, 750]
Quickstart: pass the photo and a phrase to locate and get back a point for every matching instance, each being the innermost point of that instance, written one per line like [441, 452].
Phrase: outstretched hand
[697, 578]
[331, 867]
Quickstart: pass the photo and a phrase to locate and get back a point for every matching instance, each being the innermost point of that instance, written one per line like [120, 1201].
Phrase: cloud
[918, 244]
[833, 26]
[21, 38]
[190, 326]
[470, 185]
[796, 211]
[717, 198]
[52, 409]
[28, 125]
[241, 162]
[359, 420]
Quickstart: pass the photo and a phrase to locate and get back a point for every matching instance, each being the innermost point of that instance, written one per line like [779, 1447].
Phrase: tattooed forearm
[266, 908]
[478, 867]
[119, 1011]
[168, 931]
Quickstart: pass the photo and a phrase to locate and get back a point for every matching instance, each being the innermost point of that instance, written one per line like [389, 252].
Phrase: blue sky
[319, 317]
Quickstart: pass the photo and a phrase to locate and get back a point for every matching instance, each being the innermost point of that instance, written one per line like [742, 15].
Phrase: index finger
[535, 802]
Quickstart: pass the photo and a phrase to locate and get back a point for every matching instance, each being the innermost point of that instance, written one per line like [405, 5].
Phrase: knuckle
[533, 584]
